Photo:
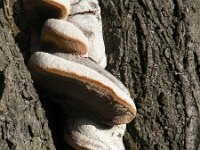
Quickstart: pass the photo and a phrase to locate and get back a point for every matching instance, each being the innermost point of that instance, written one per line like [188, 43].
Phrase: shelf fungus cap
[38, 11]
[94, 92]
[49, 8]
[64, 37]
[83, 133]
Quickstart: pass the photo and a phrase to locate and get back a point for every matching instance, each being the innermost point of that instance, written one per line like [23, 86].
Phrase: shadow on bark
[53, 112]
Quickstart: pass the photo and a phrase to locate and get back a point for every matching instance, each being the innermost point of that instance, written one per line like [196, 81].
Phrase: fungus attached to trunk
[86, 15]
[50, 8]
[84, 88]
[63, 36]
[83, 133]
[38, 11]
[71, 66]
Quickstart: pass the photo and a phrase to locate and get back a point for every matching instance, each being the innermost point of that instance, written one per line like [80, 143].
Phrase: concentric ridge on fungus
[48, 8]
[64, 36]
[83, 133]
[110, 101]
[86, 15]
[72, 65]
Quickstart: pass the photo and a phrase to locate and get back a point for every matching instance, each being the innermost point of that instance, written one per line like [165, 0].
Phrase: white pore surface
[85, 133]
[56, 65]
[86, 16]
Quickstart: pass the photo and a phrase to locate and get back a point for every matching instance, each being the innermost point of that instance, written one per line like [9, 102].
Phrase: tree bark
[23, 124]
[152, 47]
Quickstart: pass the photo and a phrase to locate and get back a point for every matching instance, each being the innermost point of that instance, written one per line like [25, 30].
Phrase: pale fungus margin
[100, 95]
[70, 55]
[71, 38]
[49, 8]
[83, 133]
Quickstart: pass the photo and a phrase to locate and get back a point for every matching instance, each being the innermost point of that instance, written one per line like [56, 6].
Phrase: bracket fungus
[86, 15]
[83, 133]
[70, 56]
[98, 93]
[47, 8]
[71, 38]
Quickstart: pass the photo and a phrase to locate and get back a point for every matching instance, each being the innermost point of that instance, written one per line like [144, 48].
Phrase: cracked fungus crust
[88, 11]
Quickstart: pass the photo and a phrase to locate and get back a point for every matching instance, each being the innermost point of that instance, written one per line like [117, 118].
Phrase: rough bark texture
[152, 46]
[23, 124]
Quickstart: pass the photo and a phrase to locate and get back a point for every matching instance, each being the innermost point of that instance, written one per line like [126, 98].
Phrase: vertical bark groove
[160, 68]
[23, 124]
[152, 46]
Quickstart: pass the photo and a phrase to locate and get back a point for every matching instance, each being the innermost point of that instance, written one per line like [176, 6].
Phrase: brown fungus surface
[78, 78]
[38, 11]
[97, 94]
[63, 36]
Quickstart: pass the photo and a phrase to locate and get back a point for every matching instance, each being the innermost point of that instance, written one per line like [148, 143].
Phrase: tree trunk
[23, 124]
[152, 47]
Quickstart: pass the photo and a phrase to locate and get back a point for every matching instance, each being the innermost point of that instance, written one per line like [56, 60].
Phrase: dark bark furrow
[152, 46]
[160, 45]
[20, 126]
